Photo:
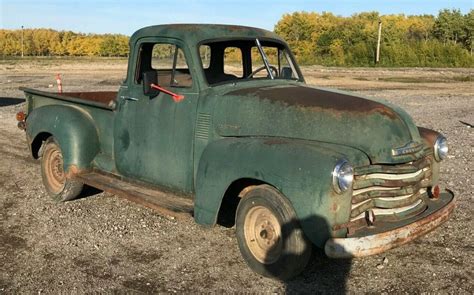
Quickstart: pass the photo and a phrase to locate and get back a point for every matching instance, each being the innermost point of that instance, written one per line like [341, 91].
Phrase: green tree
[449, 25]
[337, 52]
[469, 30]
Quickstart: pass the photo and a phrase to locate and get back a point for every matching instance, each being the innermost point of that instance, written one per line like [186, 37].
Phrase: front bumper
[377, 242]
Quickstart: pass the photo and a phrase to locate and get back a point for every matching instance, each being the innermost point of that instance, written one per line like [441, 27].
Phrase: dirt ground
[102, 243]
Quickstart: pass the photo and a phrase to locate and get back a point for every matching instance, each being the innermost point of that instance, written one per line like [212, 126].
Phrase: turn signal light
[20, 116]
[435, 192]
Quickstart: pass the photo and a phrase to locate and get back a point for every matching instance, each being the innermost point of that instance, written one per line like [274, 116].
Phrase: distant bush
[421, 41]
[46, 42]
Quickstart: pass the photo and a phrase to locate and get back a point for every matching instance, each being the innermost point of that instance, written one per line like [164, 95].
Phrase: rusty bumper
[380, 242]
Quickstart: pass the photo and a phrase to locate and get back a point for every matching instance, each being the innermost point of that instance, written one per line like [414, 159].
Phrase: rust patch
[246, 190]
[105, 97]
[152, 197]
[275, 141]
[378, 243]
[73, 170]
[317, 98]
[428, 135]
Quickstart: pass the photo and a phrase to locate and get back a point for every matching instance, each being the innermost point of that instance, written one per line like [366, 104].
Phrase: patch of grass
[463, 78]
[411, 80]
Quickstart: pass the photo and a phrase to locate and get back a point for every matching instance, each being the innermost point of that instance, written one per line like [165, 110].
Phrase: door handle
[129, 98]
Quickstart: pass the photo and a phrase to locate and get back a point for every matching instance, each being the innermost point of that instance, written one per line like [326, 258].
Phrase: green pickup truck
[216, 122]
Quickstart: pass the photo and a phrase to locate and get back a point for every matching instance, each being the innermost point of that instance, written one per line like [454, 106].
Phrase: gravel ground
[102, 243]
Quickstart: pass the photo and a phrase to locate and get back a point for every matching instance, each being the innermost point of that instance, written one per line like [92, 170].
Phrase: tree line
[47, 42]
[415, 40]
[315, 38]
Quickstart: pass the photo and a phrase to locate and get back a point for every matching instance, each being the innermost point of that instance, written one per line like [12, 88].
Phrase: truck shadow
[88, 191]
[322, 274]
[8, 101]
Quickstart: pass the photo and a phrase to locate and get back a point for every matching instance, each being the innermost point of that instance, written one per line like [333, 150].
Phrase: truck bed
[101, 99]
[104, 97]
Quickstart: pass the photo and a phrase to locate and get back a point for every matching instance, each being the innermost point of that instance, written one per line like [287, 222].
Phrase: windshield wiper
[264, 57]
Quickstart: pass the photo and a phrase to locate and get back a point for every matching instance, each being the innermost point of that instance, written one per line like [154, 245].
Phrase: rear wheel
[269, 235]
[58, 186]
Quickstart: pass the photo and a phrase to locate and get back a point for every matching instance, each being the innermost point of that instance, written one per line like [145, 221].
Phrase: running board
[164, 202]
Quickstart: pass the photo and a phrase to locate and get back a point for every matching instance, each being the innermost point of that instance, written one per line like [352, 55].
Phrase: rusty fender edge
[378, 243]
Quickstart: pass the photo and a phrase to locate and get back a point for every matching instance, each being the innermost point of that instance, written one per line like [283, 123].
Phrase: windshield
[234, 60]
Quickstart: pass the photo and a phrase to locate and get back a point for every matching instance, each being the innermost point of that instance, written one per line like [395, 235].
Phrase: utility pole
[22, 41]
[377, 56]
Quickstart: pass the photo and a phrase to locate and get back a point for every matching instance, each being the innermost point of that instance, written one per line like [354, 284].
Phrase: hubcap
[262, 233]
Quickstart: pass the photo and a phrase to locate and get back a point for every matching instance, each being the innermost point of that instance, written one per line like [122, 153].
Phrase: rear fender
[72, 128]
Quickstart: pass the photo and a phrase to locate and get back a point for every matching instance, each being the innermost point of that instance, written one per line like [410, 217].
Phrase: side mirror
[150, 77]
[286, 73]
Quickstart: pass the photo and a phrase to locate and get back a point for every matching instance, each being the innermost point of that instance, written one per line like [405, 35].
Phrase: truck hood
[383, 131]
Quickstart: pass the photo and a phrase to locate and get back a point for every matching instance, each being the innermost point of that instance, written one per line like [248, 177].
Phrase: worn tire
[58, 186]
[269, 235]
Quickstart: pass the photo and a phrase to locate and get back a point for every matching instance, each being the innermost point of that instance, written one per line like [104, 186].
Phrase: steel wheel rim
[262, 233]
[55, 170]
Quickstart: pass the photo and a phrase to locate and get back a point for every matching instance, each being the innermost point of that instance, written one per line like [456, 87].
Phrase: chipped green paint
[280, 132]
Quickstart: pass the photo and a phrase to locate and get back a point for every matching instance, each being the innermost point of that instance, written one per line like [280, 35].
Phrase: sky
[125, 17]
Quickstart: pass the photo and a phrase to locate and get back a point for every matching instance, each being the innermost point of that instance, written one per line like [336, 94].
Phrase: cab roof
[196, 33]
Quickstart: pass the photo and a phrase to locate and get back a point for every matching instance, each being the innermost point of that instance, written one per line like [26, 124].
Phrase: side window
[279, 61]
[286, 68]
[168, 60]
[233, 64]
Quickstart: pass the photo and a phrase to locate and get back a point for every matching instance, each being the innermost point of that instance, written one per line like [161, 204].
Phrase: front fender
[301, 170]
[429, 137]
[72, 128]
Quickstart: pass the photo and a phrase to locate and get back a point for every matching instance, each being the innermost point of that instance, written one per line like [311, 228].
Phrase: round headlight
[342, 176]
[441, 148]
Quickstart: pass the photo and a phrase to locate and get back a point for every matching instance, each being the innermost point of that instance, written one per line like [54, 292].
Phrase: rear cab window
[168, 60]
[233, 64]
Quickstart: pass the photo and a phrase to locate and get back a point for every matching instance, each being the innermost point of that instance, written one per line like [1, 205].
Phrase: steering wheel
[272, 68]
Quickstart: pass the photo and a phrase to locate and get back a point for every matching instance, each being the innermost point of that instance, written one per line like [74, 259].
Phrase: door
[154, 136]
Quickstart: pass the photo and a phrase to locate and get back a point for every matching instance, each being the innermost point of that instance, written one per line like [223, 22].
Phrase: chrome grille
[390, 192]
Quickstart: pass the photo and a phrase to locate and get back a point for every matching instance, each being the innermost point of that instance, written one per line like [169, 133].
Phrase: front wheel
[269, 235]
[58, 186]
